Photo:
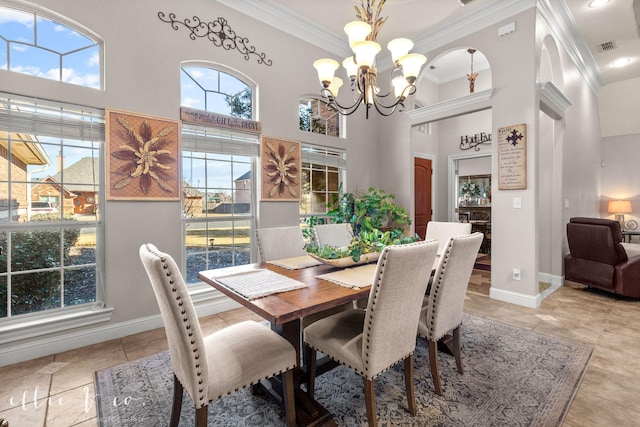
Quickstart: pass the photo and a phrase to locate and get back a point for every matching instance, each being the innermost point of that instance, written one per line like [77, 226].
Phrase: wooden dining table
[285, 311]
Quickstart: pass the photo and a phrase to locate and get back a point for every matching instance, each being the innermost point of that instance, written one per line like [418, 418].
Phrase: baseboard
[531, 301]
[60, 343]
[552, 279]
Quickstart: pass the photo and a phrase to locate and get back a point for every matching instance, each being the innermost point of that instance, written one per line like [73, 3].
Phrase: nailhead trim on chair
[185, 320]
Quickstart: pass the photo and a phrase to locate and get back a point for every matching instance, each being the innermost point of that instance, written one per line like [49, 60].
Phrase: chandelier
[361, 66]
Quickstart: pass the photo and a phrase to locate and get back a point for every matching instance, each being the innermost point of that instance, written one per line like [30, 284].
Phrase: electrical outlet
[517, 275]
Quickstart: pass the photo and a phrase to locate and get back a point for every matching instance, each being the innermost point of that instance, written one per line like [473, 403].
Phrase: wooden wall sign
[512, 157]
[201, 117]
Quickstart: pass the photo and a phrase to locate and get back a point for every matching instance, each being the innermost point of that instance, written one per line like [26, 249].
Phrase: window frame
[322, 157]
[41, 12]
[77, 120]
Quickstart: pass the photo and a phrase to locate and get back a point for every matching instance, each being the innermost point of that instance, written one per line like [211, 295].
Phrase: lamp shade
[411, 65]
[366, 52]
[357, 31]
[326, 69]
[399, 48]
[619, 206]
[335, 85]
[351, 67]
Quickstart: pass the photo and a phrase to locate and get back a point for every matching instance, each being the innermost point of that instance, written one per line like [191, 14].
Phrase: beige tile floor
[58, 390]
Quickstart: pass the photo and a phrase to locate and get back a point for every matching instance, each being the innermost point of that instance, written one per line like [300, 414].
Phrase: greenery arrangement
[376, 221]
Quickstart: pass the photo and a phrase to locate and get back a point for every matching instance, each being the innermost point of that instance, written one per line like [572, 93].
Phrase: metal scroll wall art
[468, 142]
[218, 32]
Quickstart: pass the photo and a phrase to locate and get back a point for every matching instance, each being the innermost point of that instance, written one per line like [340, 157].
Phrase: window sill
[48, 323]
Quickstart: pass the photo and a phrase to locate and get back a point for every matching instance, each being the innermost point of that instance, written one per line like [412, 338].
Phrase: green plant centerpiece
[376, 219]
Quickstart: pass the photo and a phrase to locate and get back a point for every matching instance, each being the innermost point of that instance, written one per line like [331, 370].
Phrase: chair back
[443, 311]
[339, 235]
[280, 243]
[442, 231]
[186, 345]
[391, 321]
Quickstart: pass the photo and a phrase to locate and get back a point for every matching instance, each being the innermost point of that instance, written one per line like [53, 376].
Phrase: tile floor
[62, 384]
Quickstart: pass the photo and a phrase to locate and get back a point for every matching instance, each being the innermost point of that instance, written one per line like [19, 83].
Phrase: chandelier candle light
[361, 67]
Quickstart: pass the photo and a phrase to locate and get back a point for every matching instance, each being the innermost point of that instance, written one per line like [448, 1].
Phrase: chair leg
[408, 382]
[456, 348]
[201, 416]
[176, 408]
[310, 359]
[289, 398]
[433, 361]
[370, 401]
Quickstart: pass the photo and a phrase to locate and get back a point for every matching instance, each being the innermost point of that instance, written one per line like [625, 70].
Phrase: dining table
[285, 311]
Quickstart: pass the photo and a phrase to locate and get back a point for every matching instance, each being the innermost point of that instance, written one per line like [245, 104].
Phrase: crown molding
[552, 100]
[451, 108]
[555, 13]
[274, 15]
[450, 31]
[558, 16]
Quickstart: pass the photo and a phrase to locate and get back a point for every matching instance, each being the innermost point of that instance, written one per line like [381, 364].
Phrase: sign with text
[201, 117]
[512, 157]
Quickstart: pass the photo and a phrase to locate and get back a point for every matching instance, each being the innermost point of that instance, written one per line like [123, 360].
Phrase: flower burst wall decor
[280, 165]
[142, 159]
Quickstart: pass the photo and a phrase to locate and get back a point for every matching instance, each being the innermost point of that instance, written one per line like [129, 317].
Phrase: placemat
[295, 263]
[259, 283]
[354, 277]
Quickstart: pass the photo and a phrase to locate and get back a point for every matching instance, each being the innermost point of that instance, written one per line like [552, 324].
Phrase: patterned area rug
[512, 377]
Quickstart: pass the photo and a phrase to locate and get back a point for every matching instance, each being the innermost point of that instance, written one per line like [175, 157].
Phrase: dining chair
[442, 231]
[210, 367]
[338, 235]
[280, 242]
[442, 308]
[372, 340]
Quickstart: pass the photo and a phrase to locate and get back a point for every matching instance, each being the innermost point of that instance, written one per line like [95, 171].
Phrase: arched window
[317, 117]
[213, 90]
[39, 46]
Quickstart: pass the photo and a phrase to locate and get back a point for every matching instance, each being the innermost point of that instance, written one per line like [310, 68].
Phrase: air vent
[607, 46]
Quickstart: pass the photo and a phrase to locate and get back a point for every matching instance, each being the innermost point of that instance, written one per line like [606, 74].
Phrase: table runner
[259, 283]
[354, 277]
[295, 263]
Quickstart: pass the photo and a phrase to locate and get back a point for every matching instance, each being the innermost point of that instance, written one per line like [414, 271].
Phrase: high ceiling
[416, 19]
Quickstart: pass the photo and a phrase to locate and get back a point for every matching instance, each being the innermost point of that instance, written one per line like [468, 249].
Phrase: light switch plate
[517, 203]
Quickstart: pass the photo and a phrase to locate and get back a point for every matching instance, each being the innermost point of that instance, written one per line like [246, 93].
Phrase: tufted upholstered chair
[212, 366]
[280, 242]
[371, 341]
[442, 231]
[442, 309]
[338, 235]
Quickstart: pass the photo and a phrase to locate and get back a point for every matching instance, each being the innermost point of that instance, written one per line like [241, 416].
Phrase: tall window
[39, 46]
[323, 170]
[315, 116]
[50, 188]
[218, 171]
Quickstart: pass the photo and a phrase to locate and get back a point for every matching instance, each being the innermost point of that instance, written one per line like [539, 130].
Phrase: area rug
[512, 377]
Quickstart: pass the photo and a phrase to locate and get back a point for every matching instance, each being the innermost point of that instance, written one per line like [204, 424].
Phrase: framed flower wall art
[280, 166]
[142, 156]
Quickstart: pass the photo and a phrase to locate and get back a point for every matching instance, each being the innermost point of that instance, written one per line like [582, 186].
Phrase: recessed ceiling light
[621, 62]
[597, 3]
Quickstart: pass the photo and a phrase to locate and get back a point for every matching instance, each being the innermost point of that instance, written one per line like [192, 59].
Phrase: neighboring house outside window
[323, 172]
[217, 167]
[40, 46]
[316, 117]
[49, 190]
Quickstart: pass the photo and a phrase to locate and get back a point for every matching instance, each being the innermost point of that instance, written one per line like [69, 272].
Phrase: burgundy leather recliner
[598, 259]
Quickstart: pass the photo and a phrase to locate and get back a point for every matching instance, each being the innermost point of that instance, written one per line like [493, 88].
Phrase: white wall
[619, 105]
